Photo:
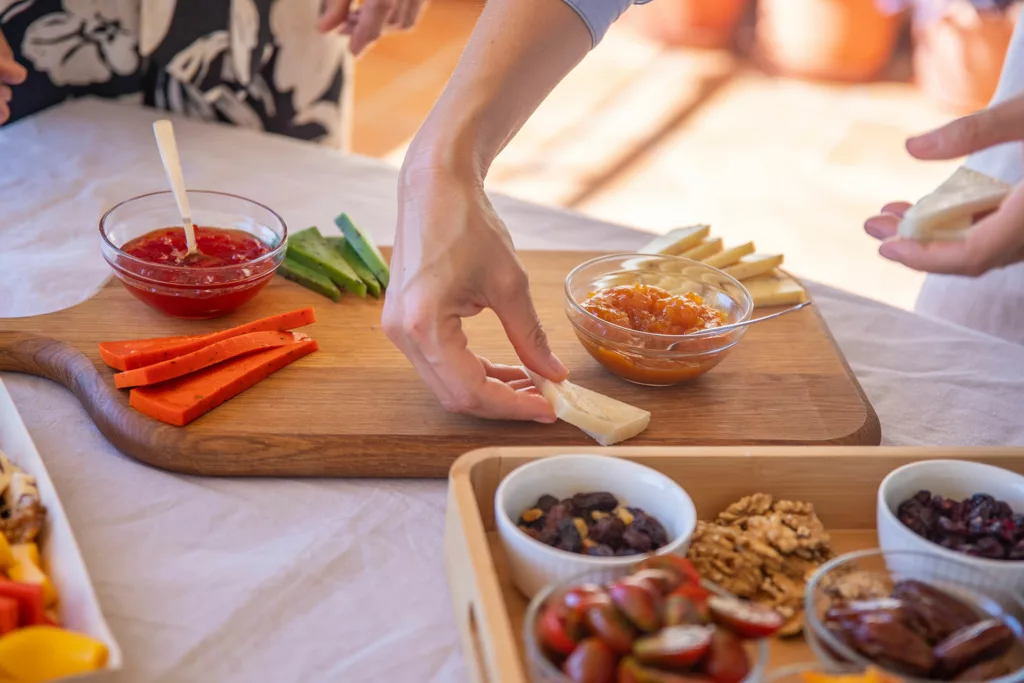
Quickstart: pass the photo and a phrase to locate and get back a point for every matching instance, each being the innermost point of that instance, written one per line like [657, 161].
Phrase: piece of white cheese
[754, 265]
[603, 418]
[775, 289]
[730, 256]
[948, 213]
[708, 247]
[677, 241]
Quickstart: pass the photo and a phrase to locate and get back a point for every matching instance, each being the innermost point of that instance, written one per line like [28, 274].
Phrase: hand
[11, 73]
[996, 240]
[453, 258]
[366, 23]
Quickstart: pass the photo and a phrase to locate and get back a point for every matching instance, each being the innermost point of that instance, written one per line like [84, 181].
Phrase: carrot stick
[182, 400]
[212, 354]
[129, 355]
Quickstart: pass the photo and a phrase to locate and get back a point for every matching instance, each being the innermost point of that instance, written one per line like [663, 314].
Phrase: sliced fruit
[30, 601]
[680, 610]
[676, 647]
[730, 256]
[309, 248]
[6, 555]
[590, 662]
[745, 619]
[603, 418]
[638, 604]
[8, 614]
[584, 596]
[28, 569]
[365, 248]
[726, 660]
[349, 254]
[754, 265]
[677, 241]
[707, 248]
[310, 278]
[664, 581]
[631, 671]
[44, 653]
[608, 624]
[552, 633]
[677, 563]
[775, 289]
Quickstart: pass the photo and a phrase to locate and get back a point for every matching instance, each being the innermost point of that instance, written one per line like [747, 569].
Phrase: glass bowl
[542, 670]
[874, 572]
[185, 292]
[795, 672]
[644, 357]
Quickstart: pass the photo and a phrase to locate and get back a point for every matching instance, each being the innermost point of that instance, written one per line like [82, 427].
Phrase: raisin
[600, 500]
[637, 540]
[548, 536]
[569, 538]
[924, 497]
[626, 550]
[653, 529]
[556, 514]
[608, 530]
[1016, 552]
[601, 550]
[545, 503]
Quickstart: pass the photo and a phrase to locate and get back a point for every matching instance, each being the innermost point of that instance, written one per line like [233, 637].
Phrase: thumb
[1001, 123]
[522, 325]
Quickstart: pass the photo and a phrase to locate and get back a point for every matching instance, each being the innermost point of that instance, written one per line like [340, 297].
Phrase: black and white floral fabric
[259, 64]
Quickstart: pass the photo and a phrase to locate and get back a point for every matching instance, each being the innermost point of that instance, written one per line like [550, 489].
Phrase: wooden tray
[489, 610]
[357, 408]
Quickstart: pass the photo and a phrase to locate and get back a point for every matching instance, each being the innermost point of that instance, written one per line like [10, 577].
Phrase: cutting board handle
[125, 428]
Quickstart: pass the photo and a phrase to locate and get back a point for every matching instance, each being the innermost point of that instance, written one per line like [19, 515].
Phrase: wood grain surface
[842, 483]
[357, 408]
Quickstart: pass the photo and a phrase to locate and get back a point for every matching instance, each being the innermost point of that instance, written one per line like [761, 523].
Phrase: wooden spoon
[164, 133]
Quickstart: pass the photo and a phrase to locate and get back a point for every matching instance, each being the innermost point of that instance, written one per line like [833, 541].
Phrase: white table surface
[332, 580]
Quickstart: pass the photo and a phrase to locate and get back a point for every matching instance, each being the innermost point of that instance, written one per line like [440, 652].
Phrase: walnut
[764, 550]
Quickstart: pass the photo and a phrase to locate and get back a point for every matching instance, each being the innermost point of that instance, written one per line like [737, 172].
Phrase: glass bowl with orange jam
[241, 244]
[654, 320]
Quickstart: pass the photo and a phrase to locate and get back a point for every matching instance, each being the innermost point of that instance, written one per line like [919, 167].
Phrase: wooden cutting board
[356, 408]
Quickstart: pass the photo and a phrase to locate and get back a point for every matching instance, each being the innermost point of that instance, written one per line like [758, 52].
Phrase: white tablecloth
[319, 580]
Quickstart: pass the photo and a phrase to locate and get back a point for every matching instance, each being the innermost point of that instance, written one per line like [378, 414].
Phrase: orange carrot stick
[129, 355]
[212, 354]
[184, 399]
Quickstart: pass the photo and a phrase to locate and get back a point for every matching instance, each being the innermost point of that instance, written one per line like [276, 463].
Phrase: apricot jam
[227, 272]
[646, 308]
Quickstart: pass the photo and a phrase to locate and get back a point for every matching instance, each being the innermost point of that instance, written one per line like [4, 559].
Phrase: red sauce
[187, 287]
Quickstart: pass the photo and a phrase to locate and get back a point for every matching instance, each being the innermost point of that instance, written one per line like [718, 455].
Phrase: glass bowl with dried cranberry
[873, 608]
[658, 624]
[653, 514]
[959, 510]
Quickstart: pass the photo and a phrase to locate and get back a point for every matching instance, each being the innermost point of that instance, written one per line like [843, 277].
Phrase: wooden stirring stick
[164, 133]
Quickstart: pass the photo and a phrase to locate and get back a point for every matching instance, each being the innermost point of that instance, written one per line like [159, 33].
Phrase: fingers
[411, 13]
[522, 325]
[505, 373]
[882, 227]
[335, 15]
[1002, 123]
[896, 208]
[372, 15]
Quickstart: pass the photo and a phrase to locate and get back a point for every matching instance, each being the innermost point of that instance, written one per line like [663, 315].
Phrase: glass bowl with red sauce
[654, 320]
[241, 245]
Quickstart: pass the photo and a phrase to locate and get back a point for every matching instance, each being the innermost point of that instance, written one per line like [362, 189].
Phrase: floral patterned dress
[259, 64]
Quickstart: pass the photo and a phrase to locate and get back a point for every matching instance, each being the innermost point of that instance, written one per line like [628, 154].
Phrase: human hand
[996, 240]
[11, 73]
[366, 23]
[452, 259]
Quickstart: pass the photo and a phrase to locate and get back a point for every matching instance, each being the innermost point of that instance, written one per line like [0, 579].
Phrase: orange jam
[646, 308]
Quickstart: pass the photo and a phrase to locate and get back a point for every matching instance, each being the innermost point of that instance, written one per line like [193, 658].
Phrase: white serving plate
[79, 608]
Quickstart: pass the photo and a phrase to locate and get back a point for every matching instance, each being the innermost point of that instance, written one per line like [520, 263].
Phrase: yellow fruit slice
[38, 654]
[28, 569]
[6, 556]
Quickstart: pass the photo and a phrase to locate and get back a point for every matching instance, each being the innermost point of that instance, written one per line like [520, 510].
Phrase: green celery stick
[309, 248]
[349, 254]
[310, 278]
[365, 248]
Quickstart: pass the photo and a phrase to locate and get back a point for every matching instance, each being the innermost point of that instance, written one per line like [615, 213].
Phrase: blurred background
[777, 121]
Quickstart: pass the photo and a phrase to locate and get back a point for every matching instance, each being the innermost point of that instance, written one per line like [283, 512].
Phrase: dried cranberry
[1016, 552]
[954, 528]
[608, 530]
[924, 497]
[600, 500]
[990, 548]
[1003, 510]
[546, 502]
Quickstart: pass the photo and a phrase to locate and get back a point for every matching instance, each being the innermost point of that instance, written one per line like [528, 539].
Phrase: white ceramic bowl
[534, 565]
[957, 479]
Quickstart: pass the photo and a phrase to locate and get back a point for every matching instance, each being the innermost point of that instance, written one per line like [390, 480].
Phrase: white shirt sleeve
[599, 15]
[1005, 162]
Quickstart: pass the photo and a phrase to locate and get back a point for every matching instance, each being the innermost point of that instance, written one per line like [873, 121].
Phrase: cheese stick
[775, 289]
[754, 265]
[710, 246]
[729, 256]
[603, 418]
[677, 241]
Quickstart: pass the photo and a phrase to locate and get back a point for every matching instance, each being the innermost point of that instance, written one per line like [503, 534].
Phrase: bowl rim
[817, 630]
[269, 256]
[503, 518]
[531, 646]
[748, 300]
[933, 547]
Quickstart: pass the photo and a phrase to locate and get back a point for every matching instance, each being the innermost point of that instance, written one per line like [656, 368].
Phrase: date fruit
[746, 619]
[608, 624]
[935, 614]
[590, 662]
[639, 604]
[726, 660]
[972, 644]
[676, 647]
[985, 671]
[893, 645]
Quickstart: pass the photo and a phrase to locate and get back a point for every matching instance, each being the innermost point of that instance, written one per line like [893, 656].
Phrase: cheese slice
[948, 213]
[754, 265]
[710, 246]
[603, 418]
[775, 289]
[677, 241]
[729, 256]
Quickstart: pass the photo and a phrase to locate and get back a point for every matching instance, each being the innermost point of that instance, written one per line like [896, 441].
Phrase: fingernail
[893, 249]
[557, 367]
[924, 144]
